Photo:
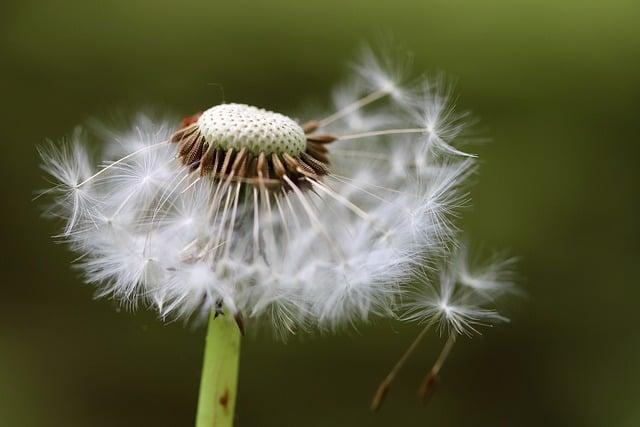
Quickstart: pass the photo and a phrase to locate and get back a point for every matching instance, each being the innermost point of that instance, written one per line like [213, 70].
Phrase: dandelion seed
[456, 305]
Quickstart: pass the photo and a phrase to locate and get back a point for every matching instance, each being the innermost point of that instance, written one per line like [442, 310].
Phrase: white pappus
[316, 224]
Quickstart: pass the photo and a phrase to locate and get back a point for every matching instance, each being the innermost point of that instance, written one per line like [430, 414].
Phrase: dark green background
[556, 84]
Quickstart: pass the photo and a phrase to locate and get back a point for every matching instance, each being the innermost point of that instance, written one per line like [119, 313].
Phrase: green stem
[219, 380]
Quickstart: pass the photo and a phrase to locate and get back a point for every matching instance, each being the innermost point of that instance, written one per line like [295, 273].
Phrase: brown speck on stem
[224, 399]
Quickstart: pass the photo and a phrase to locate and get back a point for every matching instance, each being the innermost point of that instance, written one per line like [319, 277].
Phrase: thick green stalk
[219, 381]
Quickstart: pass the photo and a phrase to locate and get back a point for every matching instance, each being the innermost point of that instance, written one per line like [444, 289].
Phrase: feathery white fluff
[459, 302]
[332, 252]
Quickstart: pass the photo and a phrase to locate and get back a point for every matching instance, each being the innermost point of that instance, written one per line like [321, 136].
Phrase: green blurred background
[557, 86]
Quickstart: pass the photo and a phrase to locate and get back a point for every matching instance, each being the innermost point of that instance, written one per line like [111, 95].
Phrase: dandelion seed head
[321, 223]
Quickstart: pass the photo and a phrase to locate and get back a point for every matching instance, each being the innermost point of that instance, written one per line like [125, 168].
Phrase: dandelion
[247, 213]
